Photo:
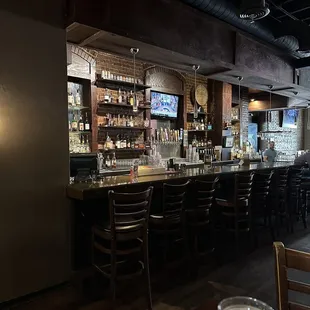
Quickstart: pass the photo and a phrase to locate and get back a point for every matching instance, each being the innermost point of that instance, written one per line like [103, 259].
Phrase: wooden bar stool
[124, 239]
[236, 212]
[199, 218]
[168, 227]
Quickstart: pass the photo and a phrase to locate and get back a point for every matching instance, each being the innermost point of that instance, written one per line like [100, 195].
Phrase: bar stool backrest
[243, 187]
[295, 176]
[283, 178]
[174, 199]
[205, 193]
[261, 186]
[129, 210]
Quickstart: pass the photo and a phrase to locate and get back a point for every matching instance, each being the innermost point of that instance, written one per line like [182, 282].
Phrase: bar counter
[88, 191]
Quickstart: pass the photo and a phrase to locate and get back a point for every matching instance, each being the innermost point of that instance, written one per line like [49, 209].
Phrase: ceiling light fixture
[134, 51]
[195, 68]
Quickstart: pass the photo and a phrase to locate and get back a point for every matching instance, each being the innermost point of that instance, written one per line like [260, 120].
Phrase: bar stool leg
[113, 271]
[147, 270]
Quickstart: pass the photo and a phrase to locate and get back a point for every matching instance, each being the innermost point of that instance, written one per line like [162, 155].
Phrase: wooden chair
[124, 239]
[284, 259]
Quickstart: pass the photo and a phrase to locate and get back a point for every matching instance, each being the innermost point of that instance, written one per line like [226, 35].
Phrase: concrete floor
[252, 275]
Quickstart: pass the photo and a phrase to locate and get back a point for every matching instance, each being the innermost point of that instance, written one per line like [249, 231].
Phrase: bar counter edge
[86, 191]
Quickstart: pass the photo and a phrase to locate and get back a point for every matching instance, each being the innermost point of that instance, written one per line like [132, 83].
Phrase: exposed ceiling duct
[226, 11]
[253, 10]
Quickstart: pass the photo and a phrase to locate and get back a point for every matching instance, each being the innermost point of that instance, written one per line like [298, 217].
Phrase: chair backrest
[129, 209]
[261, 187]
[283, 177]
[284, 259]
[243, 187]
[204, 193]
[295, 176]
[174, 196]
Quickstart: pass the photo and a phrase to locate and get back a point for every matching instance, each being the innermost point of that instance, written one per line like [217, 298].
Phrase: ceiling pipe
[226, 11]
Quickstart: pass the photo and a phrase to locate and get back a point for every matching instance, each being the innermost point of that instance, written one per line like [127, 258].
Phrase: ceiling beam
[302, 62]
[91, 38]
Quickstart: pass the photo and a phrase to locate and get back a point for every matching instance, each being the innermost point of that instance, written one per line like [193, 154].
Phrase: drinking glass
[242, 303]
[94, 175]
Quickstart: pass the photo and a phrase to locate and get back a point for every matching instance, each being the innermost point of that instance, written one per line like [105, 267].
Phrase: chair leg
[147, 270]
[113, 271]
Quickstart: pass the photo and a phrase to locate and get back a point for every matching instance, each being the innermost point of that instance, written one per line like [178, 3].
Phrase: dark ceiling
[288, 18]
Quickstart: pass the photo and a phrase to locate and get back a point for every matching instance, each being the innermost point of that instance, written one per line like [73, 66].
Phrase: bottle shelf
[104, 108]
[123, 150]
[77, 108]
[194, 130]
[80, 132]
[116, 84]
[121, 127]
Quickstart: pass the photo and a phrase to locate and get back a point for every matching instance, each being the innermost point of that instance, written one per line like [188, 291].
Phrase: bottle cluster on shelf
[202, 142]
[122, 142]
[78, 122]
[118, 120]
[74, 94]
[120, 96]
[199, 125]
[108, 75]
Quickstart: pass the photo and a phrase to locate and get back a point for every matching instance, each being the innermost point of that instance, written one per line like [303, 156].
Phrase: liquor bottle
[81, 124]
[70, 98]
[128, 143]
[194, 142]
[69, 126]
[120, 98]
[202, 125]
[132, 143]
[124, 121]
[117, 142]
[78, 98]
[106, 96]
[108, 142]
[209, 126]
[113, 163]
[82, 139]
[127, 121]
[108, 162]
[131, 98]
[74, 124]
[123, 143]
[124, 97]
[131, 121]
[86, 124]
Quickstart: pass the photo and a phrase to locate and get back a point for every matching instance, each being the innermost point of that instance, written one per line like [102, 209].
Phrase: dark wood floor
[252, 275]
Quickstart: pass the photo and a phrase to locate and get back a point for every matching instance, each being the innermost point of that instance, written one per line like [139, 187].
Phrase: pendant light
[240, 78]
[195, 68]
[134, 51]
[269, 111]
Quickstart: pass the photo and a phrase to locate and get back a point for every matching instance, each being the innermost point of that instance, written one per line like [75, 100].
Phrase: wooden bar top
[86, 191]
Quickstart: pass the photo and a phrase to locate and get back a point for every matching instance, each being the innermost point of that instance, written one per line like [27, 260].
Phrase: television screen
[290, 118]
[164, 105]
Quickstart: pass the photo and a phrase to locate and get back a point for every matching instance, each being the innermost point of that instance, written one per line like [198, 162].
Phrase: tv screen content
[290, 118]
[164, 105]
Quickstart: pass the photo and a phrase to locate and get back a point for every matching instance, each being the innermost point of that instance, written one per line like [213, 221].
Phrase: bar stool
[261, 213]
[294, 205]
[199, 217]
[236, 212]
[279, 201]
[168, 227]
[124, 239]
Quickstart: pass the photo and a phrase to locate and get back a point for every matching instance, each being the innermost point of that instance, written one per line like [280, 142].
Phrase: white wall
[34, 160]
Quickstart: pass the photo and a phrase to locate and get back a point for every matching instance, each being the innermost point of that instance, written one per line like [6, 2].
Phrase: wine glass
[242, 303]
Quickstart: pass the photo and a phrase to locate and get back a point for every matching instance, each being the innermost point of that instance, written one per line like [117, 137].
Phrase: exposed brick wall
[288, 142]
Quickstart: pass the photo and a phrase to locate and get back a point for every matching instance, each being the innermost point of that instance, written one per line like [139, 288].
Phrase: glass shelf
[77, 108]
[120, 127]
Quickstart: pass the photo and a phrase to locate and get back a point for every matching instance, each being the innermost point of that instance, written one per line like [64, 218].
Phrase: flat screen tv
[290, 118]
[164, 105]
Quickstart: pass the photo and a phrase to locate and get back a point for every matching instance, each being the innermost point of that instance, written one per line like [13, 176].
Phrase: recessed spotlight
[252, 99]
